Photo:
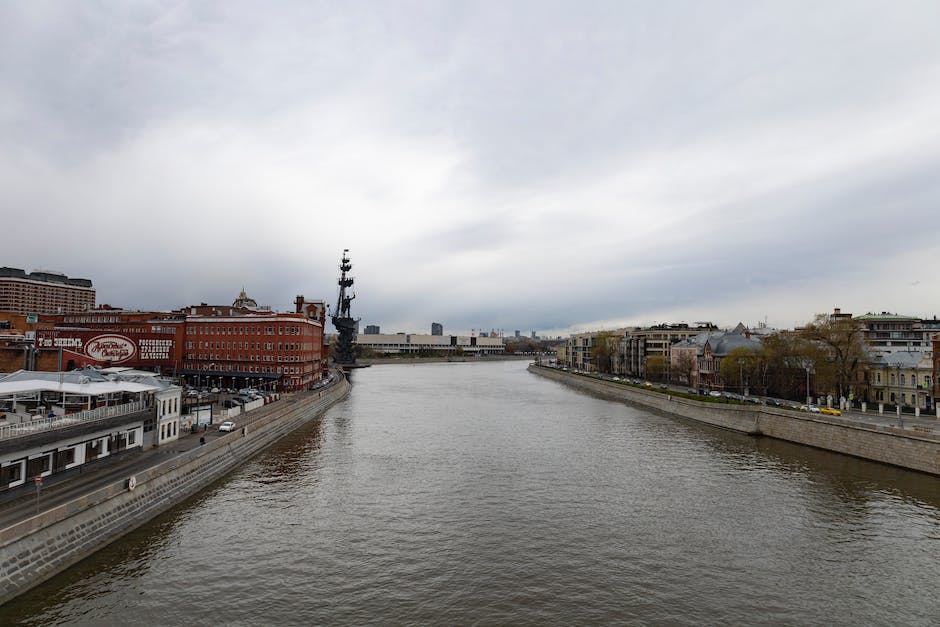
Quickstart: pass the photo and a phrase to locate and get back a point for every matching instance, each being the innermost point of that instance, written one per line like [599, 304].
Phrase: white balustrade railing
[22, 429]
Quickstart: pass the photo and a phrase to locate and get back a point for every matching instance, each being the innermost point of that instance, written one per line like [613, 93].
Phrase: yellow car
[830, 412]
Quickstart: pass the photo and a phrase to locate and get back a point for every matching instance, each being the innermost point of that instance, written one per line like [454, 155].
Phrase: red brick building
[236, 346]
[206, 345]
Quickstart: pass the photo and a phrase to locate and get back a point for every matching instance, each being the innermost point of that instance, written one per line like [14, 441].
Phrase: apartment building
[43, 292]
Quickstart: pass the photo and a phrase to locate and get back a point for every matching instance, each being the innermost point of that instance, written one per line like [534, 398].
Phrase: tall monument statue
[342, 317]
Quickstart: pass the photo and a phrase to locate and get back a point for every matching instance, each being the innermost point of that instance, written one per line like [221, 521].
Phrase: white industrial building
[416, 342]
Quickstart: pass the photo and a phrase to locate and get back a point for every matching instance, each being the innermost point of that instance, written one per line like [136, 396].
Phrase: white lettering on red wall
[113, 348]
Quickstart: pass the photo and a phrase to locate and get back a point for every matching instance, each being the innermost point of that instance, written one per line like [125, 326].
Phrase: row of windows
[168, 430]
[905, 399]
[268, 346]
[249, 357]
[58, 290]
[258, 369]
[903, 379]
[213, 329]
[169, 406]
[90, 319]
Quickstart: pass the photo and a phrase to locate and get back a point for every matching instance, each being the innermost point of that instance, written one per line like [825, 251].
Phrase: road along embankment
[38, 547]
[906, 448]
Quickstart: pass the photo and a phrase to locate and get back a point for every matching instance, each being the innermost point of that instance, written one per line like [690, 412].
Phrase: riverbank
[906, 448]
[39, 546]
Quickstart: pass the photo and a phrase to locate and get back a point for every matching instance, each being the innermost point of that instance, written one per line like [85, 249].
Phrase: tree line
[831, 350]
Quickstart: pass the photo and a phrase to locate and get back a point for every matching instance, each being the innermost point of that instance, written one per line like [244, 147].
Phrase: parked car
[830, 411]
[715, 393]
[228, 425]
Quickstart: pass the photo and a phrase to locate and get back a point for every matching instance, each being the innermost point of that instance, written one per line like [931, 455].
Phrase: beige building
[639, 344]
[905, 376]
[578, 351]
[43, 292]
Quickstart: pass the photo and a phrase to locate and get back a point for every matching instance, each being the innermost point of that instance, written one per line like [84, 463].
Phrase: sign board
[111, 347]
[202, 414]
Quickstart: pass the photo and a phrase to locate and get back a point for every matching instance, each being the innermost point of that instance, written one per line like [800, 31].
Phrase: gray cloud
[532, 165]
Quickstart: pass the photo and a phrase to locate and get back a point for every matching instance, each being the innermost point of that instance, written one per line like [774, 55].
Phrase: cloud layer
[532, 165]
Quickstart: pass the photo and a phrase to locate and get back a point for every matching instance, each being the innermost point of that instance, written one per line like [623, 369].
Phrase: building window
[39, 465]
[12, 473]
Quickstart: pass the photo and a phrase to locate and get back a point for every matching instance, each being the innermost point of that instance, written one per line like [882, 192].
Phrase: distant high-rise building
[533, 336]
[43, 292]
[372, 329]
[517, 333]
[437, 328]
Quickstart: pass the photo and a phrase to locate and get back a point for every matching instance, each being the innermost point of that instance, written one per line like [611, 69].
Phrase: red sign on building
[103, 347]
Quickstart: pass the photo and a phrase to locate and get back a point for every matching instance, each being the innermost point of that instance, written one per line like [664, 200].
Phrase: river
[463, 493]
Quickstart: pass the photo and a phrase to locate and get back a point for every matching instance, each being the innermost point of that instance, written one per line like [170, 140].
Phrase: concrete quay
[879, 438]
[77, 517]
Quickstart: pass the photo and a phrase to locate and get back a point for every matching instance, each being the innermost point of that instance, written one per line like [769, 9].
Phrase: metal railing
[8, 432]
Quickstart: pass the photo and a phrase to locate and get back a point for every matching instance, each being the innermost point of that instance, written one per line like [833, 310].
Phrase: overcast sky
[548, 166]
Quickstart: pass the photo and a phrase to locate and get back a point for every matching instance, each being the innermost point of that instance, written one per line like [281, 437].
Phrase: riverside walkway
[61, 490]
[925, 423]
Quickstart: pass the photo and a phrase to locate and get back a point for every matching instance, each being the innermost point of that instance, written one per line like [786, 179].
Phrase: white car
[228, 425]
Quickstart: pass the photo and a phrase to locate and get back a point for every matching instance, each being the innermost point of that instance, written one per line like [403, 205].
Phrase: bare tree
[840, 348]
[655, 367]
[686, 365]
[603, 351]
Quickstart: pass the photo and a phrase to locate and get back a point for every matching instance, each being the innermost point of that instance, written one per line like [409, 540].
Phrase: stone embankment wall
[37, 548]
[889, 445]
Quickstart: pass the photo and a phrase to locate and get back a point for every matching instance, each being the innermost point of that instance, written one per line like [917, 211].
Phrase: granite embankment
[40, 546]
[906, 448]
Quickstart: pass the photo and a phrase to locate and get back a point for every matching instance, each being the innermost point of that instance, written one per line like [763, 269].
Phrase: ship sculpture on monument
[342, 317]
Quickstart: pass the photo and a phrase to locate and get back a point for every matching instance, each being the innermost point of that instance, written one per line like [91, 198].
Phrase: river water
[484, 494]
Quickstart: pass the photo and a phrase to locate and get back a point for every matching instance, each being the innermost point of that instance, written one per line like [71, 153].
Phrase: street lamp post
[809, 399]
